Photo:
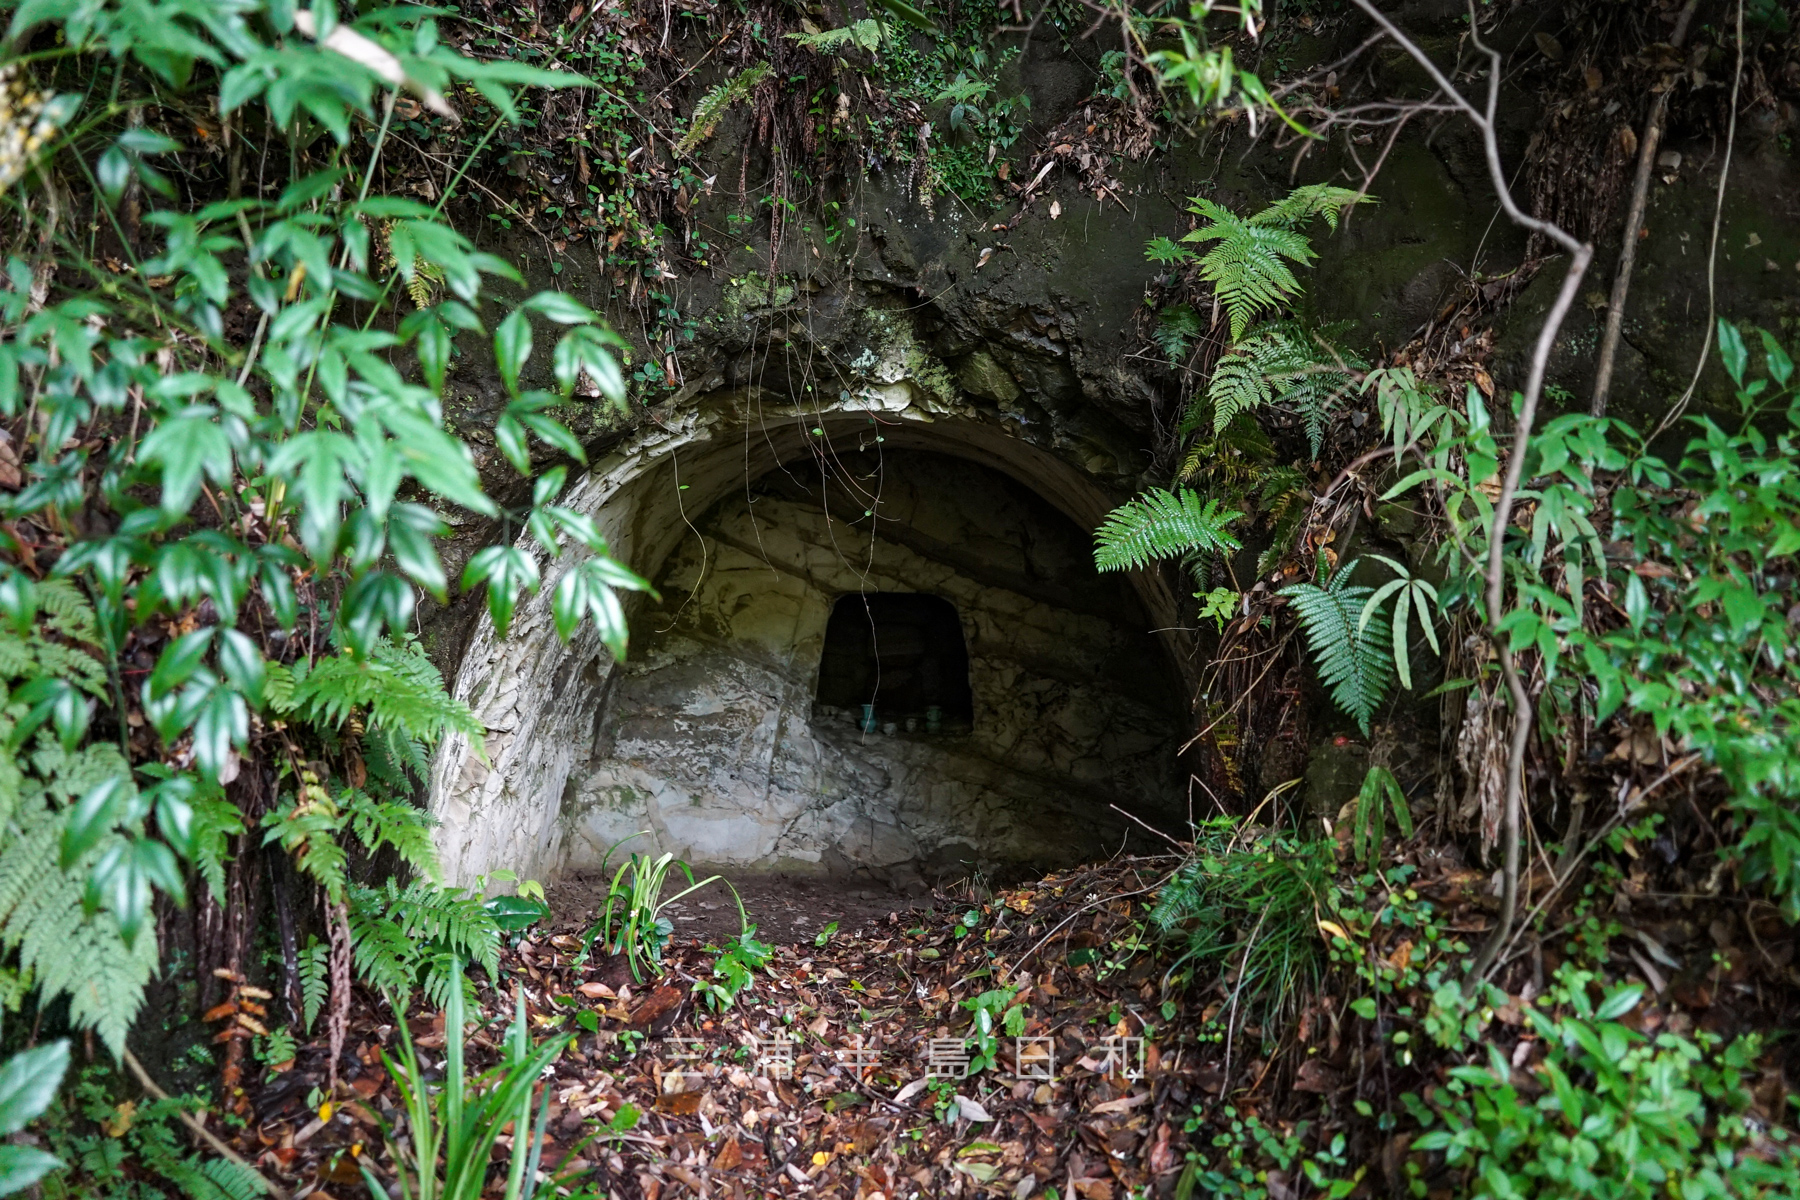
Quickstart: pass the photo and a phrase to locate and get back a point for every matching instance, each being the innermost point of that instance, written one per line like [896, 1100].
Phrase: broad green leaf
[241, 663]
[189, 444]
[1619, 1002]
[179, 660]
[1732, 352]
[222, 722]
[92, 818]
[1780, 366]
[512, 346]
[561, 308]
[417, 556]
[22, 1166]
[28, 1083]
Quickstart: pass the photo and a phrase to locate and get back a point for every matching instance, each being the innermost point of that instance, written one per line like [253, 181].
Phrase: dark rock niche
[721, 738]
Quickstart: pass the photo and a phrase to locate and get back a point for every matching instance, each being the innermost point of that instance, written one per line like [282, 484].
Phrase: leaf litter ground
[665, 1097]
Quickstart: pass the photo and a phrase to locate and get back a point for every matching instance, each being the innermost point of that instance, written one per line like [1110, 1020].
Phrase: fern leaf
[1245, 265]
[1354, 664]
[716, 103]
[396, 686]
[315, 980]
[1162, 525]
[864, 35]
[42, 917]
[1284, 362]
[384, 956]
[233, 1182]
[395, 823]
[1313, 200]
[1176, 328]
[1238, 384]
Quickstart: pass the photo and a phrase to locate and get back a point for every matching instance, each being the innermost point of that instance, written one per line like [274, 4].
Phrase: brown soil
[786, 909]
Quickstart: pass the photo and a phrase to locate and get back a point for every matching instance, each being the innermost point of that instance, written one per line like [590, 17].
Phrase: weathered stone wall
[501, 804]
[710, 738]
[1016, 338]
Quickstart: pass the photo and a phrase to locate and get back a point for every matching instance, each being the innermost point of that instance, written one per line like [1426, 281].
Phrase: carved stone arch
[501, 803]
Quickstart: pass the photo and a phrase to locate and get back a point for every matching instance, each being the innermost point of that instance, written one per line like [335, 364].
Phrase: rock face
[709, 736]
[1016, 340]
[712, 738]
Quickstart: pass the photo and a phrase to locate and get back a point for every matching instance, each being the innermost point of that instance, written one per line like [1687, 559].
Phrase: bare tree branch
[1712, 253]
[1580, 254]
[1634, 220]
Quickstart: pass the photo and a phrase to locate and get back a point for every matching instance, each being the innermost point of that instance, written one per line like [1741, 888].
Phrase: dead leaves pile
[856, 1117]
[667, 1098]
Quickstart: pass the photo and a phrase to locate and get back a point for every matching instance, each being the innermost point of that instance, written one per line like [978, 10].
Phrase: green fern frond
[713, 106]
[1239, 383]
[1356, 665]
[402, 937]
[384, 957]
[1284, 362]
[864, 35]
[449, 917]
[1246, 263]
[1314, 200]
[62, 613]
[395, 759]
[42, 916]
[396, 686]
[405, 827]
[1161, 525]
[1246, 266]
[1176, 328]
[315, 980]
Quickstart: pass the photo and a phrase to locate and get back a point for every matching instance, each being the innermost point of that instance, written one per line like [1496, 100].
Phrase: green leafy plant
[1620, 1114]
[734, 967]
[991, 1013]
[1380, 794]
[1411, 595]
[28, 1083]
[631, 921]
[421, 935]
[57, 853]
[1245, 259]
[271, 495]
[1353, 659]
[452, 1125]
[712, 107]
[1247, 905]
[1245, 1152]
[1162, 525]
[1699, 564]
[861, 35]
[1218, 605]
[1177, 326]
[1712, 576]
[1282, 362]
[132, 1149]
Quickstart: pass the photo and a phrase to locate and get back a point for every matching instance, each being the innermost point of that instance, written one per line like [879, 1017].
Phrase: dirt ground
[786, 909]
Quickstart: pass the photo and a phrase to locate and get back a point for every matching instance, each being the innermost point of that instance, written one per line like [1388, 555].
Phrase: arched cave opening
[896, 659]
[915, 581]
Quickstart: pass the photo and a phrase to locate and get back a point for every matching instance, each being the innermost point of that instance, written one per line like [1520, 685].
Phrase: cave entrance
[899, 658]
[716, 737]
[1016, 694]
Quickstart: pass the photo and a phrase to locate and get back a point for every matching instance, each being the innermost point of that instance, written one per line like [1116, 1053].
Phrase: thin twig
[1566, 872]
[1712, 254]
[1634, 220]
[1179, 846]
[193, 1123]
[1580, 254]
[1019, 967]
